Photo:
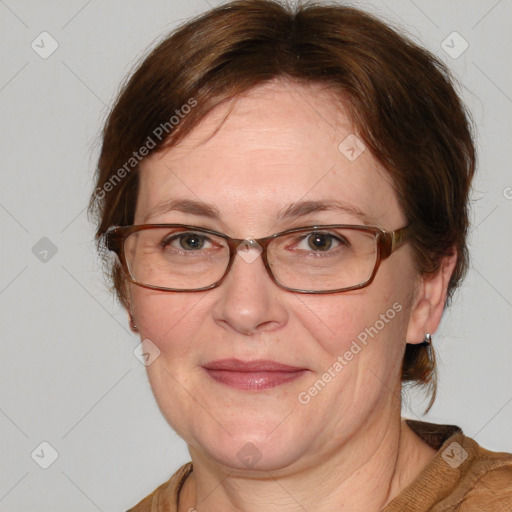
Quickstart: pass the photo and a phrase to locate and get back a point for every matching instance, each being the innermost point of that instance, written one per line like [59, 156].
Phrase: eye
[187, 241]
[320, 242]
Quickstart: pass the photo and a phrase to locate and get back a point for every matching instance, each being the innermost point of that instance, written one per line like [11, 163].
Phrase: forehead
[278, 144]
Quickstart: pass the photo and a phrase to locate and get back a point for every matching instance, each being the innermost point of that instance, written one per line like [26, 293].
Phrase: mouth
[253, 375]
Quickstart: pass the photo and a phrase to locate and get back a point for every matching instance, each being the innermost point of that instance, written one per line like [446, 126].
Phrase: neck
[364, 474]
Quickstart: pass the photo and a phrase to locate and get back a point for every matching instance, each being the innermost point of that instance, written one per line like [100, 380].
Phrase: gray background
[67, 372]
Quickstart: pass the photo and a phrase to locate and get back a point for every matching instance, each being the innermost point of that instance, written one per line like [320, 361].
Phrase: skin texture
[347, 448]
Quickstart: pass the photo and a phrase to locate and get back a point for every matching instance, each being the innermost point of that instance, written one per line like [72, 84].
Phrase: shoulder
[488, 479]
[461, 477]
[165, 496]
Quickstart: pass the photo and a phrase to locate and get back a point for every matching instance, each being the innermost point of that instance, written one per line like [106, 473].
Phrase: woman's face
[278, 147]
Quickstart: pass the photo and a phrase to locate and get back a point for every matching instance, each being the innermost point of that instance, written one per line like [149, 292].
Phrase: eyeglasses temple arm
[112, 240]
[399, 236]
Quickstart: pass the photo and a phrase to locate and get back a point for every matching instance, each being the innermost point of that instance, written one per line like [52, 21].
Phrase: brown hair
[401, 99]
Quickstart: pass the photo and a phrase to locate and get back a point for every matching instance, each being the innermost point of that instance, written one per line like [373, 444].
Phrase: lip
[252, 375]
[256, 365]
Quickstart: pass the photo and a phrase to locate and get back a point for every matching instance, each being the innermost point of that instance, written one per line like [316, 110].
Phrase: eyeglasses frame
[386, 241]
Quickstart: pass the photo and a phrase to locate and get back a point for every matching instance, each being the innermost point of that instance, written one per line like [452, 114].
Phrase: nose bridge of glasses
[249, 249]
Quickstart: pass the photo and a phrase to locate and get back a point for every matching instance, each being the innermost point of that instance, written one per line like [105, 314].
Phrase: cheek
[338, 321]
[360, 336]
[169, 320]
[332, 321]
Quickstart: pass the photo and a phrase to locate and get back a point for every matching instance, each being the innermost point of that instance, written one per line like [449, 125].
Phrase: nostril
[261, 328]
[266, 327]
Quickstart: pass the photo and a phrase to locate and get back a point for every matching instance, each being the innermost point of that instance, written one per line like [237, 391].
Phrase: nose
[249, 302]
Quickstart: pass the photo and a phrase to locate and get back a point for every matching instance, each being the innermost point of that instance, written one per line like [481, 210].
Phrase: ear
[429, 301]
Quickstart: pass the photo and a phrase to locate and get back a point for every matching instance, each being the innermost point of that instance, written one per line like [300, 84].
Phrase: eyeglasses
[313, 259]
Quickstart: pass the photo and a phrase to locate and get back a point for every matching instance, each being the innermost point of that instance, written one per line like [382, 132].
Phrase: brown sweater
[462, 477]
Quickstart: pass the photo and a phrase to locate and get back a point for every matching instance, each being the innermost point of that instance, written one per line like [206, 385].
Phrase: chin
[248, 445]
[252, 453]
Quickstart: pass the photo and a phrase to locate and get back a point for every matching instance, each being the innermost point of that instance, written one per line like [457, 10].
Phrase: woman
[286, 191]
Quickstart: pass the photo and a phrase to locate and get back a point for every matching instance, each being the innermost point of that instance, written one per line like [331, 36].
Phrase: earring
[133, 327]
[427, 341]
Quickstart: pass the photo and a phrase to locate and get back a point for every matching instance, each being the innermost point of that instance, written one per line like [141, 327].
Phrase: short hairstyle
[401, 99]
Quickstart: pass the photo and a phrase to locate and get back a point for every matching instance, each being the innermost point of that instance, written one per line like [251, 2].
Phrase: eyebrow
[303, 208]
[184, 206]
[292, 211]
